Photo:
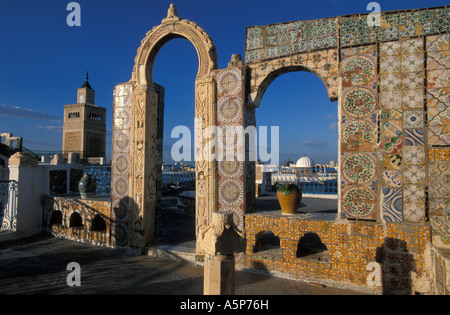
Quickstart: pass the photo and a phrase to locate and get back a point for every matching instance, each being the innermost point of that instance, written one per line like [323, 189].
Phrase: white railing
[8, 204]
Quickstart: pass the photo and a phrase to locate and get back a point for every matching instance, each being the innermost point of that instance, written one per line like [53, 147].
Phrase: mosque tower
[84, 128]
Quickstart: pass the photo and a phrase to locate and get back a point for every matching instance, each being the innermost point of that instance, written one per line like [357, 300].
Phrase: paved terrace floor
[38, 265]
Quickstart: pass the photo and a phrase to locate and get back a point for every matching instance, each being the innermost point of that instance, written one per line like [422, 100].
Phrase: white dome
[305, 162]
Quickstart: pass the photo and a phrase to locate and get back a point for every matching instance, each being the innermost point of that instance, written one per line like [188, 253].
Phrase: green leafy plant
[287, 189]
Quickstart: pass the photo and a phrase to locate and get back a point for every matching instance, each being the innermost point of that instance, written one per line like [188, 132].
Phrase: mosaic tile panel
[358, 135]
[231, 190]
[359, 119]
[439, 195]
[414, 194]
[402, 128]
[414, 203]
[393, 162]
[439, 179]
[438, 93]
[413, 119]
[393, 26]
[402, 77]
[359, 168]
[278, 40]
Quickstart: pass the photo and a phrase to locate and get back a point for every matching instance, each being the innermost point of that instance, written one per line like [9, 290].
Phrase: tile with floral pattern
[414, 155]
[414, 174]
[439, 179]
[412, 98]
[414, 193]
[414, 212]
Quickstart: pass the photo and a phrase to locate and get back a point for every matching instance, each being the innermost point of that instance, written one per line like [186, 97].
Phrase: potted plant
[289, 197]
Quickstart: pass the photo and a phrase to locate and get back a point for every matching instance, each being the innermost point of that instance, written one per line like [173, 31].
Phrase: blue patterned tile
[392, 204]
[414, 137]
[413, 119]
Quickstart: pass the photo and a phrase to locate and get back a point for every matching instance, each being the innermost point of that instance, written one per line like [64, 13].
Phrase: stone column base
[219, 275]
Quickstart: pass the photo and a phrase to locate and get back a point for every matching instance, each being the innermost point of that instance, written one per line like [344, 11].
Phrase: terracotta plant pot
[289, 197]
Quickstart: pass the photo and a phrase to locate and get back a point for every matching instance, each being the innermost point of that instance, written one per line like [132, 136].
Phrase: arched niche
[75, 220]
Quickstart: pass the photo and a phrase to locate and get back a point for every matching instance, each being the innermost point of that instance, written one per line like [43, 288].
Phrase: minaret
[85, 93]
[84, 129]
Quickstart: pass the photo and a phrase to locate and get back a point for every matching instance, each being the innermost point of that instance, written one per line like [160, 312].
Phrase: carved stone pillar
[144, 167]
[205, 166]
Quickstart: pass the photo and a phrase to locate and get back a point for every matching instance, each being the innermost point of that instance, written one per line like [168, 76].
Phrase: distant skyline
[43, 62]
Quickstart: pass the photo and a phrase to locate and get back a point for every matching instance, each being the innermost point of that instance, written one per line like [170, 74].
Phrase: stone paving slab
[38, 265]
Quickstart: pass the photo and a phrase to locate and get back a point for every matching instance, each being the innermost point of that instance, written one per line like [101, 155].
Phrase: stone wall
[95, 222]
[379, 258]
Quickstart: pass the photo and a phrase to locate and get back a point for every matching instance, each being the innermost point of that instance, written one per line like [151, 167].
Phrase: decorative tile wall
[394, 137]
[438, 127]
[393, 25]
[439, 195]
[438, 93]
[402, 125]
[230, 113]
[359, 120]
[352, 249]
[279, 40]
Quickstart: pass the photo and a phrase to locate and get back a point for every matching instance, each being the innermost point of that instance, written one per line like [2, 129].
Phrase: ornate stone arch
[170, 28]
[323, 63]
[140, 184]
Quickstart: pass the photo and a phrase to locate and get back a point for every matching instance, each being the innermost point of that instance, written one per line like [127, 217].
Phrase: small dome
[305, 162]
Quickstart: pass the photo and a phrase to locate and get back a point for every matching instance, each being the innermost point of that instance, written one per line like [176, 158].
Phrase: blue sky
[43, 61]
